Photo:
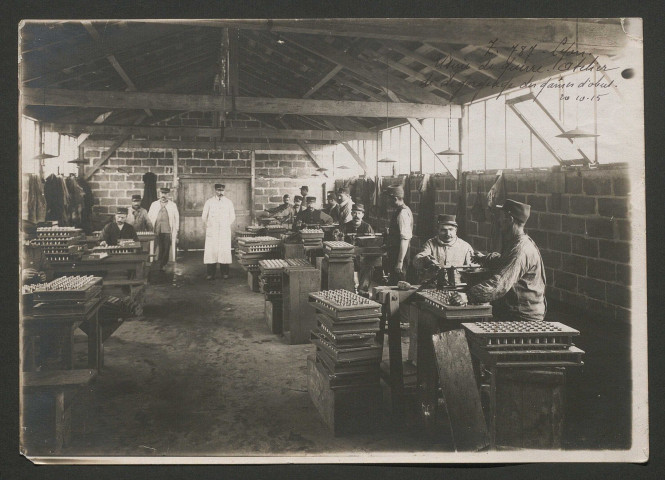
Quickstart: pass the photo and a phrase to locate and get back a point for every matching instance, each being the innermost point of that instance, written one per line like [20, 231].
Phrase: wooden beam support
[112, 60]
[326, 78]
[471, 64]
[422, 79]
[207, 103]
[369, 73]
[196, 145]
[210, 132]
[310, 153]
[105, 156]
[596, 37]
[355, 156]
[429, 142]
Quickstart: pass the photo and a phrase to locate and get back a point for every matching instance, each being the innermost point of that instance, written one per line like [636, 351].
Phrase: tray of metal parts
[144, 236]
[260, 239]
[298, 264]
[59, 231]
[134, 247]
[521, 335]
[253, 228]
[571, 356]
[351, 354]
[338, 247]
[94, 257]
[346, 340]
[375, 241]
[437, 302]
[347, 380]
[360, 325]
[342, 304]
[71, 287]
[357, 367]
[49, 309]
[259, 248]
[66, 296]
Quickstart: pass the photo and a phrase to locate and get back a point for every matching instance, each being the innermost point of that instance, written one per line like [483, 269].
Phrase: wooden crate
[335, 275]
[273, 315]
[529, 408]
[344, 410]
[297, 315]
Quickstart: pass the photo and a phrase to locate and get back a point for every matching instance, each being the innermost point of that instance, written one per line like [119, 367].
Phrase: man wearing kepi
[311, 216]
[399, 235]
[164, 216]
[118, 229]
[446, 249]
[218, 215]
[517, 284]
[345, 205]
[138, 216]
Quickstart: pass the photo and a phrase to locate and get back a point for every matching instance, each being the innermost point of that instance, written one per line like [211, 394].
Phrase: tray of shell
[272, 266]
[79, 287]
[569, 357]
[440, 302]
[521, 335]
[311, 233]
[341, 304]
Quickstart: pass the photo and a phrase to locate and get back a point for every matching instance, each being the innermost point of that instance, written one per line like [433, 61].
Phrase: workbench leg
[60, 420]
[68, 346]
[95, 345]
[427, 374]
[395, 355]
[493, 408]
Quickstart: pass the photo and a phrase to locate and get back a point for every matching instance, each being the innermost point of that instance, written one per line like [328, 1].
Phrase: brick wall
[579, 219]
[123, 175]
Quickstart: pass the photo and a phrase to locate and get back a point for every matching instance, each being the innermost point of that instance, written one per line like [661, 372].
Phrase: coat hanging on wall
[36, 200]
[149, 190]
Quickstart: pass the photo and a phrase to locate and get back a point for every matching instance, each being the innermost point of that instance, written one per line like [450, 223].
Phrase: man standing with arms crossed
[163, 214]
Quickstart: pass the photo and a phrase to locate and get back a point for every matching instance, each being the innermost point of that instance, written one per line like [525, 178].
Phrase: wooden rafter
[199, 145]
[168, 101]
[368, 73]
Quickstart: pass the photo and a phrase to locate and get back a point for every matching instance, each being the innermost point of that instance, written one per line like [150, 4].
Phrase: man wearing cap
[118, 229]
[311, 216]
[297, 205]
[283, 212]
[446, 249]
[517, 285]
[345, 204]
[163, 214]
[332, 207]
[304, 191]
[400, 231]
[138, 216]
[218, 215]
[358, 227]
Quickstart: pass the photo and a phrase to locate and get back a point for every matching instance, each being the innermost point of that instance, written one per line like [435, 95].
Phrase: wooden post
[252, 185]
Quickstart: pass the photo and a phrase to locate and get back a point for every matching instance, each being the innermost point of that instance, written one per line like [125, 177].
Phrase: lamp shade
[387, 160]
[450, 152]
[43, 156]
[343, 167]
[577, 133]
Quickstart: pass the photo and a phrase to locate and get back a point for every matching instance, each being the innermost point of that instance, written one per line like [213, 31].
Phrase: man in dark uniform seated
[311, 216]
[118, 229]
[357, 227]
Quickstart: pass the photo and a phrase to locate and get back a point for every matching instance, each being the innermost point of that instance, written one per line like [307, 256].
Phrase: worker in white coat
[164, 216]
[218, 215]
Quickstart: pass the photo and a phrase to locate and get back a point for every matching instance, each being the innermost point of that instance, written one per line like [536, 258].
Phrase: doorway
[192, 194]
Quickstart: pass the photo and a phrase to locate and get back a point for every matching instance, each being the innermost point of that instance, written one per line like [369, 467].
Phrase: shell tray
[69, 288]
[435, 301]
[569, 357]
[272, 266]
[342, 304]
[521, 335]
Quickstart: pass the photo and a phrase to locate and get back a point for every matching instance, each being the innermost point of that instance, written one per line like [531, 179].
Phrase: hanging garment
[149, 190]
[218, 215]
[54, 193]
[496, 196]
[76, 194]
[86, 211]
[36, 200]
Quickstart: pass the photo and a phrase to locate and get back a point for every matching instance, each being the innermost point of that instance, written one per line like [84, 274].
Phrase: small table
[65, 325]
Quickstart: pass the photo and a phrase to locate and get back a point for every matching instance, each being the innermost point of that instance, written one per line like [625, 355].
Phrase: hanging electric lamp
[450, 151]
[577, 132]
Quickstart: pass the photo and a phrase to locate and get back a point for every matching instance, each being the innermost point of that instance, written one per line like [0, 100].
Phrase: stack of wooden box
[270, 284]
[253, 249]
[337, 266]
[343, 380]
[312, 237]
[56, 242]
[74, 295]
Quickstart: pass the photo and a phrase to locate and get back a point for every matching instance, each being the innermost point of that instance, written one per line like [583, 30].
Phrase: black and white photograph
[278, 241]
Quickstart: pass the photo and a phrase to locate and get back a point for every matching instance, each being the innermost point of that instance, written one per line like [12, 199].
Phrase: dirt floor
[200, 374]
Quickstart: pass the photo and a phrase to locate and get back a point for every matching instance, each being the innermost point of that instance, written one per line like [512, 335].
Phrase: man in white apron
[218, 215]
